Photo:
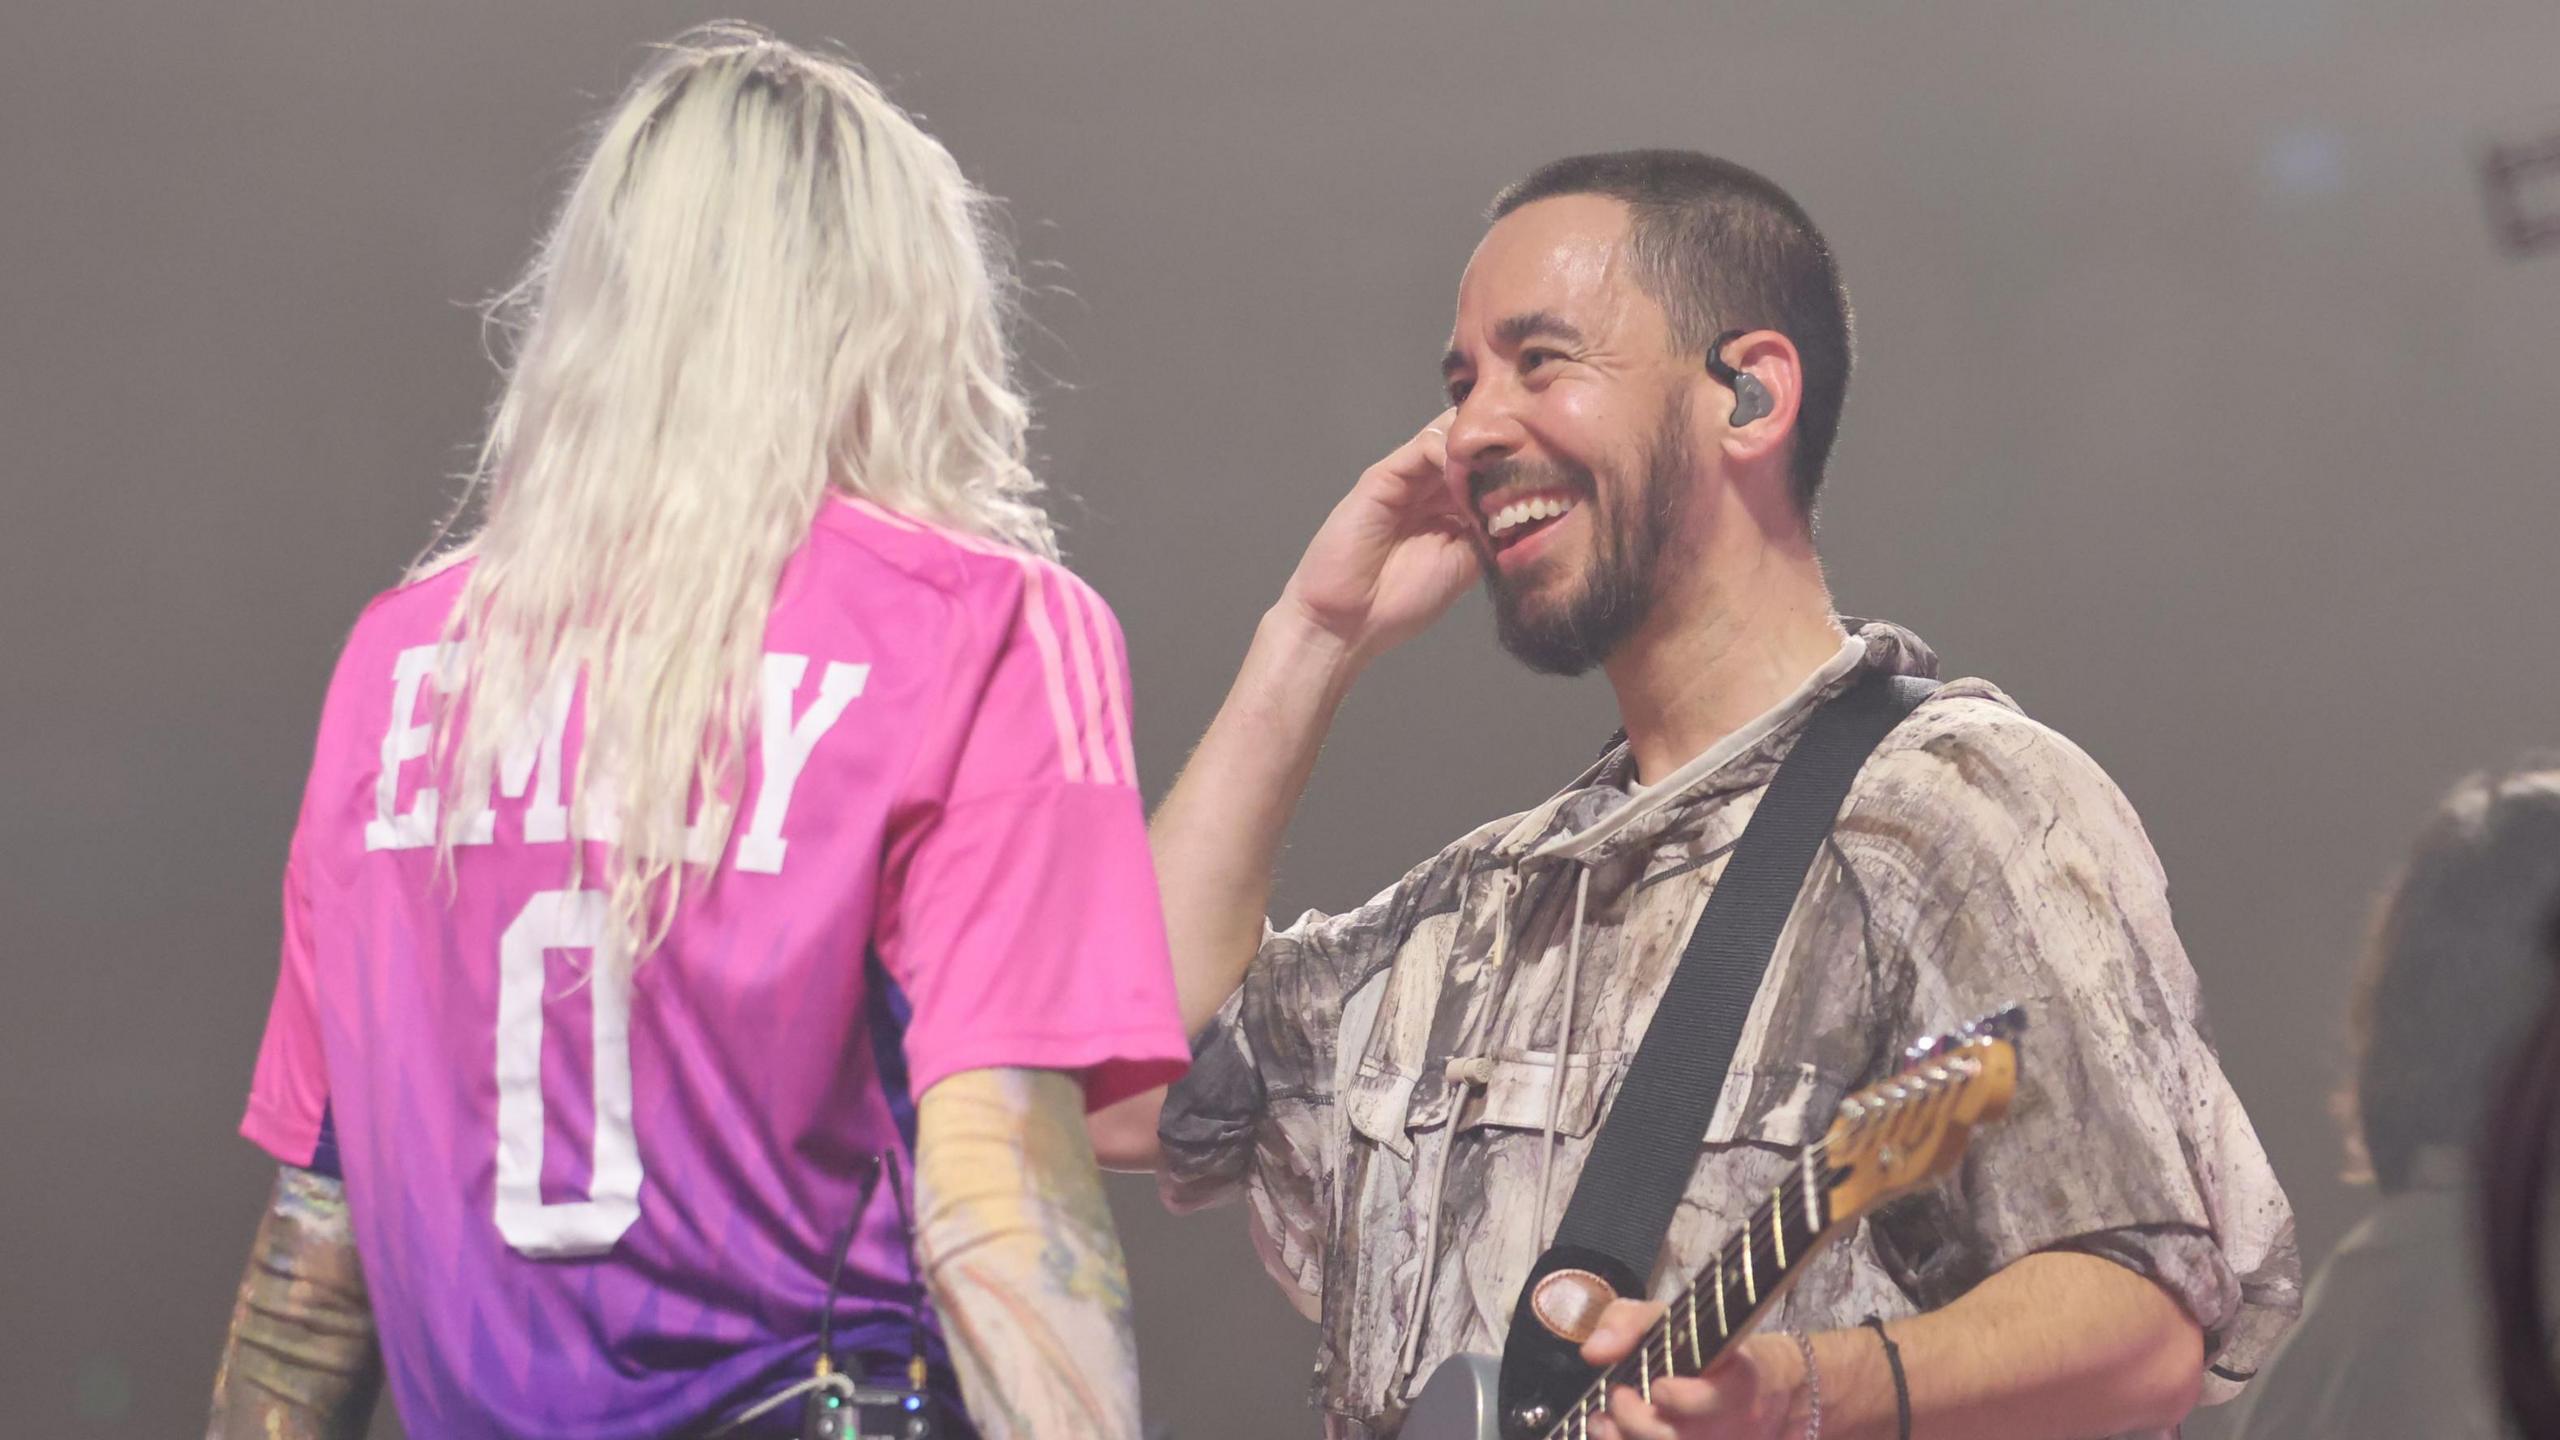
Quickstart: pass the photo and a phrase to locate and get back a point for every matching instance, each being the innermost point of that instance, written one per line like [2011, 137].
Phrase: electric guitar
[1887, 1139]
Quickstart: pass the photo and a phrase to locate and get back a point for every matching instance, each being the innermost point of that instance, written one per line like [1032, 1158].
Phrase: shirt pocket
[1516, 1093]
[1375, 1104]
[1490, 1094]
[1780, 1105]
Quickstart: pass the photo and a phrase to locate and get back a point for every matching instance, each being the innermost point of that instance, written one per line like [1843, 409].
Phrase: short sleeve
[1020, 913]
[2001, 865]
[288, 1110]
[1257, 1114]
[289, 1091]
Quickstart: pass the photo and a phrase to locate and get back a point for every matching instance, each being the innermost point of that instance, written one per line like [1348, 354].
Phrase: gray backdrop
[2196, 405]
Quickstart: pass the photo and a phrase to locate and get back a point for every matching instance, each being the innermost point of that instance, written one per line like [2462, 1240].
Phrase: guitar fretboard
[1725, 1296]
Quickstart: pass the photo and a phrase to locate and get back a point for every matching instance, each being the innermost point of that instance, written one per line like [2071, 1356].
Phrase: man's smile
[1515, 514]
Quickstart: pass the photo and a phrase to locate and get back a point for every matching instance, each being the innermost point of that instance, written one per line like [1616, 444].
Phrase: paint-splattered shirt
[1380, 1089]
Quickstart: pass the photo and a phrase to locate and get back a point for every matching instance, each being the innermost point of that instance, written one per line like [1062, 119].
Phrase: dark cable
[1901, 1385]
[835, 1275]
[915, 1280]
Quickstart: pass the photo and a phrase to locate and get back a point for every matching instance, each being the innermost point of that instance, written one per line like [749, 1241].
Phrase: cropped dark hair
[1720, 247]
[2455, 964]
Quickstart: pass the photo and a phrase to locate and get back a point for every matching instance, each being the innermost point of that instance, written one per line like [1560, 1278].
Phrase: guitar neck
[1727, 1296]
[1888, 1139]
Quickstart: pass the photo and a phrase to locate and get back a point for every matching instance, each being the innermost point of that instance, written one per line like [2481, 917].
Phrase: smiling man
[1646, 375]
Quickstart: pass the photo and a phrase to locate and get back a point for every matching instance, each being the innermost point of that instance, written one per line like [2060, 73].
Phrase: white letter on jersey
[787, 745]
[532, 755]
[563, 920]
[405, 740]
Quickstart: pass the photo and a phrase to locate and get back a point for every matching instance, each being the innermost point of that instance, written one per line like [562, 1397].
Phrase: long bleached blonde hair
[766, 283]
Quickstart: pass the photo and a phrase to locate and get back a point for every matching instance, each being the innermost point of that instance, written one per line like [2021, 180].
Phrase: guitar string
[1684, 1308]
[1594, 1399]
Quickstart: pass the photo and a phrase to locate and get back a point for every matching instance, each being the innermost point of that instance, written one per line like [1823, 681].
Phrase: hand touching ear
[1394, 554]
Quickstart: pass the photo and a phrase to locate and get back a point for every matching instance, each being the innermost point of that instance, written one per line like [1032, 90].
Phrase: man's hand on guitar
[1749, 1394]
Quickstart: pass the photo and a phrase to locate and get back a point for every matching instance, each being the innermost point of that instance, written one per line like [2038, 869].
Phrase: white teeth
[1520, 512]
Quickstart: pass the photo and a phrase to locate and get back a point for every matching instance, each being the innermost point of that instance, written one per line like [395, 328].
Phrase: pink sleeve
[290, 1091]
[1020, 912]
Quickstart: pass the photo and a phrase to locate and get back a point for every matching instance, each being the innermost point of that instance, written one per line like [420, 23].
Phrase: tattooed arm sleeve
[301, 1362]
[1021, 1257]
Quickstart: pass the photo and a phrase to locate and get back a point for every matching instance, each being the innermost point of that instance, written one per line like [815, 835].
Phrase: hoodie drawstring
[1478, 1070]
[1564, 1050]
[1460, 1071]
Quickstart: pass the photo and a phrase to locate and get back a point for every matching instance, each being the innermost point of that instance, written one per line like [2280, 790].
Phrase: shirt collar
[1566, 826]
[1646, 800]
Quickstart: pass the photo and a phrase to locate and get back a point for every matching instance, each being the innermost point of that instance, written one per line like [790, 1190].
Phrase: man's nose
[1483, 432]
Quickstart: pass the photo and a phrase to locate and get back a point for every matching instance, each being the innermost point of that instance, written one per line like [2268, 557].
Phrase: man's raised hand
[1393, 555]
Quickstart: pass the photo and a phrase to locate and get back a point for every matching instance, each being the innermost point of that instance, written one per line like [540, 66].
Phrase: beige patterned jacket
[1382, 1088]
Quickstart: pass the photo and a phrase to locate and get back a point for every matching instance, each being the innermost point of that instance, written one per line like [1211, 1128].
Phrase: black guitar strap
[1647, 1148]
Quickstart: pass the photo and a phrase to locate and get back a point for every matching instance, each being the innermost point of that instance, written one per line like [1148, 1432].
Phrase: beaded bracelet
[1812, 1388]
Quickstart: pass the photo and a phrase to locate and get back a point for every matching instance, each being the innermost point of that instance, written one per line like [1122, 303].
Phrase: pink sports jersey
[602, 1202]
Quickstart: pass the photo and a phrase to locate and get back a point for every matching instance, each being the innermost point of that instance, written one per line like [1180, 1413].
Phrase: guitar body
[1458, 1404]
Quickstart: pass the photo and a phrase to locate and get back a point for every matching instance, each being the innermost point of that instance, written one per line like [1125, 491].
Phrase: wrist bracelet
[1901, 1386]
[1812, 1387]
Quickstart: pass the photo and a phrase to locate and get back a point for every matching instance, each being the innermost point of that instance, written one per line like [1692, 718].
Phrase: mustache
[1484, 479]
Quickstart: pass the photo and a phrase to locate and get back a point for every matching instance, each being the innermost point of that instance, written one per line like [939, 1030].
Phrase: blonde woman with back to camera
[727, 849]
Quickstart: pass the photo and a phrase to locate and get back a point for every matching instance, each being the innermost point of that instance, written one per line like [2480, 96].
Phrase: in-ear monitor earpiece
[1750, 398]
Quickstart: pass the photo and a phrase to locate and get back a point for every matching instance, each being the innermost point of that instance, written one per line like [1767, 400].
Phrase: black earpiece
[1750, 397]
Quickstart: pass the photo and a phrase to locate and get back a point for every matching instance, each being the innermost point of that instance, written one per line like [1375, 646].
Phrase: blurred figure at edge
[2394, 1339]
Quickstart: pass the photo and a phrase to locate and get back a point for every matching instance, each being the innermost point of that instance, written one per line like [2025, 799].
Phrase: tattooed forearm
[301, 1363]
[1021, 1256]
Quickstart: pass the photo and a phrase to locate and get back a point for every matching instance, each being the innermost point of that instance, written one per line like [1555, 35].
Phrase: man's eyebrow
[1520, 328]
[1515, 330]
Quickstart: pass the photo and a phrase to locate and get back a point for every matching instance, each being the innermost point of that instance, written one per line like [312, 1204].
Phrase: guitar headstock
[1911, 1129]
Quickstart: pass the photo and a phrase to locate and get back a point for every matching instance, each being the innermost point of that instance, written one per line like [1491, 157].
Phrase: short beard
[1583, 630]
